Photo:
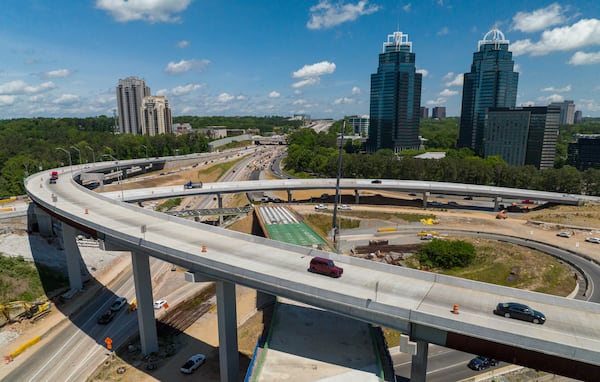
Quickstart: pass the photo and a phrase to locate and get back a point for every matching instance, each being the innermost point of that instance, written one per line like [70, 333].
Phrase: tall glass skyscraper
[395, 98]
[492, 82]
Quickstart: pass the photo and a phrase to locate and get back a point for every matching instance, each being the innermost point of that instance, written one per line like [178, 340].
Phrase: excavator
[16, 311]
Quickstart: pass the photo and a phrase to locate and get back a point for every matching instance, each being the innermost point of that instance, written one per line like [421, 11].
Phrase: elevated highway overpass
[417, 303]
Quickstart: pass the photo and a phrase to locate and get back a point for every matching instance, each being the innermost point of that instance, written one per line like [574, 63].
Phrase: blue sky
[63, 58]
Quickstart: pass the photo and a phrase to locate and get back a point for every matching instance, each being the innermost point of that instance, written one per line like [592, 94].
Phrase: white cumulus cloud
[406, 8]
[152, 11]
[557, 90]
[355, 90]
[183, 44]
[448, 93]
[585, 32]
[185, 66]
[583, 58]
[453, 80]
[315, 70]
[274, 94]
[343, 101]
[6, 100]
[552, 98]
[21, 87]
[444, 31]
[58, 73]
[539, 19]
[327, 15]
[424, 72]
[226, 97]
[185, 89]
[306, 82]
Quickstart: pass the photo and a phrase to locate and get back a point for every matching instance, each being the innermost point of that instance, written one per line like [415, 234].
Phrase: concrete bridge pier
[425, 195]
[44, 221]
[220, 206]
[227, 322]
[142, 280]
[69, 235]
[497, 201]
[356, 197]
[289, 194]
[418, 368]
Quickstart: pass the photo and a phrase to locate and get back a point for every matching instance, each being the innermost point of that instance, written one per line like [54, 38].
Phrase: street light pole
[146, 147]
[69, 154]
[93, 155]
[79, 152]
[119, 177]
[334, 225]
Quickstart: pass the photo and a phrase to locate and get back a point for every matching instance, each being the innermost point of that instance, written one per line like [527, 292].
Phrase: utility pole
[334, 225]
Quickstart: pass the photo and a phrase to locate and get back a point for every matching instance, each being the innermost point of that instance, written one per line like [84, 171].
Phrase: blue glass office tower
[395, 98]
[492, 82]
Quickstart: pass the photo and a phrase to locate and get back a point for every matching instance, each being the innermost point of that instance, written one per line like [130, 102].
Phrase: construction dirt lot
[539, 225]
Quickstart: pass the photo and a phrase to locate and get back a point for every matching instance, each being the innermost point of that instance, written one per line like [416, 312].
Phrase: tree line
[30, 145]
[312, 154]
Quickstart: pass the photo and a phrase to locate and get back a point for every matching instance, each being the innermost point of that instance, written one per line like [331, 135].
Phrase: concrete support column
[44, 222]
[497, 201]
[142, 280]
[356, 197]
[289, 192]
[220, 205]
[227, 321]
[418, 369]
[73, 256]
[425, 195]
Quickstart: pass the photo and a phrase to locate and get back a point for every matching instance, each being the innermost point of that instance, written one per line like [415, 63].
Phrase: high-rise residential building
[130, 94]
[439, 112]
[424, 112]
[395, 98]
[584, 153]
[567, 112]
[156, 116]
[360, 125]
[523, 135]
[492, 82]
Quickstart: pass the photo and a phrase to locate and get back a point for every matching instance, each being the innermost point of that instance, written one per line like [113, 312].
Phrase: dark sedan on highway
[481, 363]
[520, 312]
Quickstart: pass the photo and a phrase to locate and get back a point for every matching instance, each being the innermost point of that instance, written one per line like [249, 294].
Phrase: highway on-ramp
[411, 301]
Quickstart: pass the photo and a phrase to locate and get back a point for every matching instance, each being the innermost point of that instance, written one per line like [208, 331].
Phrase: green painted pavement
[296, 233]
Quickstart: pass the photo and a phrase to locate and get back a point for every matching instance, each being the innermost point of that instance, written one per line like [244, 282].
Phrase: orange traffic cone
[455, 309]
[86, 211]
[203, 247]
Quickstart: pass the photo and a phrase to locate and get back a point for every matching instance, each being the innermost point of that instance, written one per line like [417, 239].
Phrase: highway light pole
[69, 154]
[146, 147]
[79, 152]
[119, 176]
[334, 225]
[93, 155]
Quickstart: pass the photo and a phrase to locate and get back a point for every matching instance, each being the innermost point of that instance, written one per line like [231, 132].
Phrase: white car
[193, 363]
[344, 207]
[595, 240]
[320, 207]
[160, 303]
[564, 234]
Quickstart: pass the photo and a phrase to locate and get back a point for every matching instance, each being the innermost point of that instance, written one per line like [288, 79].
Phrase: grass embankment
[321, 223]
[24, 281]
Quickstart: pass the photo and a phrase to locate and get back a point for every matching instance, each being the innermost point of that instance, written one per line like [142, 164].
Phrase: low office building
[522, 136]
[585, 152]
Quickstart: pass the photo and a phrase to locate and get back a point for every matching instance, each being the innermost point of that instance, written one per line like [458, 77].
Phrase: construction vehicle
[191, 184]
[53, 177]
[16, 311]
